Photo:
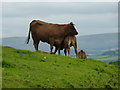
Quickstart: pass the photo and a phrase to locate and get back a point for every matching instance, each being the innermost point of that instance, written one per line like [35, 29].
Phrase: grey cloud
[95, 30]
[97, 20]
[89, 18]
[48, 8]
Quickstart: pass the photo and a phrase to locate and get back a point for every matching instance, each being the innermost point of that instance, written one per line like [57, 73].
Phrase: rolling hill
[27, 69]
[98, 43]
[108, 56]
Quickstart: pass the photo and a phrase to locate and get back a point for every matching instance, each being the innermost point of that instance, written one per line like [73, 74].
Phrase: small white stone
[44, 57]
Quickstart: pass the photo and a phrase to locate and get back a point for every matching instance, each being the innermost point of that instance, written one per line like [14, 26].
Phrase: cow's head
[71, 29]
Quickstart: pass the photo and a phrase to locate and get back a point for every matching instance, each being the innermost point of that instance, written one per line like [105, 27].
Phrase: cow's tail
[27, 41]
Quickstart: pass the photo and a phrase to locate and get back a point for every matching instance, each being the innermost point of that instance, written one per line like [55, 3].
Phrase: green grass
[26, 69]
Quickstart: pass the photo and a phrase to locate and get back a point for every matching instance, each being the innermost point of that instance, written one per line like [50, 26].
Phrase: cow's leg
[68, 49]
[59, 51]
[65, 52]
[55, 50]
[51, 48]
[51, 44]
[36, 42]
[69, 52]
[75, 48]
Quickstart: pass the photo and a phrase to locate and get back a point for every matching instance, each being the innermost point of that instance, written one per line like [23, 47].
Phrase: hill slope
[26, 69]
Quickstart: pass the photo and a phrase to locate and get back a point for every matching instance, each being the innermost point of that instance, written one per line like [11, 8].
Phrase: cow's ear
[71, 23]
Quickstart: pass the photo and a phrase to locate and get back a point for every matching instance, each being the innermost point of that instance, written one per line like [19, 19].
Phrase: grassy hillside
[115, 63]
[26, 69]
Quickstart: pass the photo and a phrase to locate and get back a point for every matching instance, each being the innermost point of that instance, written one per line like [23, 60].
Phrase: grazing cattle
[82, 54]
[53, 34]
[68, 42]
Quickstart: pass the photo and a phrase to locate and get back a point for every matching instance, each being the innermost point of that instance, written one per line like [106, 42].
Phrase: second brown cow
[68, 42]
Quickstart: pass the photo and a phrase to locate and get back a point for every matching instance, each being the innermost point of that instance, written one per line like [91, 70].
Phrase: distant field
[27, 69]
[105, 58]
[109, 58]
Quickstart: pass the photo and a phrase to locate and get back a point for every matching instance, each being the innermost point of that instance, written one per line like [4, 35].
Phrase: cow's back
[43, 31]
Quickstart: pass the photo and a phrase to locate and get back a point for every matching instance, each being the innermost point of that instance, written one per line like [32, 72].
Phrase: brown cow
[82, 54]
[68, 42]
[53, 34]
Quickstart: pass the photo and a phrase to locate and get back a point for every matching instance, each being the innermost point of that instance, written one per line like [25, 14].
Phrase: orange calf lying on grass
[82, 54]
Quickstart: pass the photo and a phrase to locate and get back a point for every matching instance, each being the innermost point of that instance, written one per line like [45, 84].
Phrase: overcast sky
[88, 17]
